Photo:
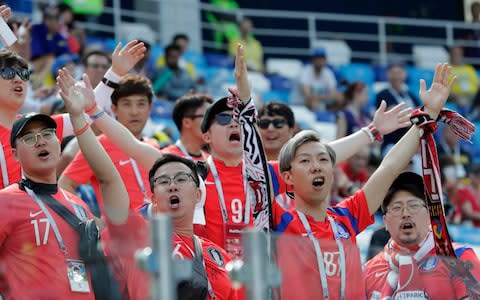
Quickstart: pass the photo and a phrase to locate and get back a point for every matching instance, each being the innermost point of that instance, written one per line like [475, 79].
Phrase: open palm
[76, 95]
[435, 97]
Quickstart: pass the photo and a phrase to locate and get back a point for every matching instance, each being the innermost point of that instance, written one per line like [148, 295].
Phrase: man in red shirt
[131, 104]
[39, 254]
[188, 114]
[308, 166]
[408, 265]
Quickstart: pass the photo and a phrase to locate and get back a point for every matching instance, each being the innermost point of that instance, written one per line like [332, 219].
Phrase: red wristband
[375, 132]
[81, 130]
[91, 109]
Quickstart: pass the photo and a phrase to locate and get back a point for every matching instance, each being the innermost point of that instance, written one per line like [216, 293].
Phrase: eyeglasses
[31, 139]
[224, 119]
[277, 123]
[8, 73]
[98, 66]
[194, 116]
[412, 207]
[179, 179]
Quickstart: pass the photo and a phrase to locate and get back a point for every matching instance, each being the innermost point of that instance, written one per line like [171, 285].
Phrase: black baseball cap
[24, 120]
[406, 181]
[214, 109]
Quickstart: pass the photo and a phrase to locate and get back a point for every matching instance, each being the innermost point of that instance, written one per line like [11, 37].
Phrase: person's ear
[186, 123]
[207, 137]
[287, 177]
[15, 155]
[114, 109]
[384, 222]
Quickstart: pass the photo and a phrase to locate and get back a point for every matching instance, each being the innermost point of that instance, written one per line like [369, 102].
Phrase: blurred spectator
[224, 23]
[146, 66]
[277, 124]
[182, 41]
[73, 35]
[465, 87]
[95, 64]
[378, 241]
[449, 144]
[395, 93]
[317, 84]
[350, 117]
[252, 47]
[356, 169]
[469, 197]
[472, 35]
[47, 43]
[173, 81]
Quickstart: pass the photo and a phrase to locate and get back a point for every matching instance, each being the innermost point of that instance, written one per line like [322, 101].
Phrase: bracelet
[373, 129]
[110, 83]
[81, 130]
[91, 109]
[369, 134]
[97, 115]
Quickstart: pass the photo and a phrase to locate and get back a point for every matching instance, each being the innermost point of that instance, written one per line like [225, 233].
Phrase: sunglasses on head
[223, 119]
[8, 73]
[277, 123]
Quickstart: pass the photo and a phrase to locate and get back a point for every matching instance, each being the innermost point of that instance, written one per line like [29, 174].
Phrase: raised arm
[143, 153]
[112, 188]
[400, 155]
[385, 122]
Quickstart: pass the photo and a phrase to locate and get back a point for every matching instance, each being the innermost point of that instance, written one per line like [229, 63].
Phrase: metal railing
[367, 35]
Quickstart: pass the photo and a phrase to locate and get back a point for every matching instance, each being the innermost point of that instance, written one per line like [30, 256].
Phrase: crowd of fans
[125, 176]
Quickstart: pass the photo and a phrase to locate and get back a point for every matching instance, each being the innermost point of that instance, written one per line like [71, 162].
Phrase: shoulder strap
[62, 211]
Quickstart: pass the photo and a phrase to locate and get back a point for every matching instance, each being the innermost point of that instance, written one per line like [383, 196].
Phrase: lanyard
[3, 165]
[139, 179]
[221, 198]
[405, 98]
[187, 155]
[199, 254]
[52, 222]
[318, 254]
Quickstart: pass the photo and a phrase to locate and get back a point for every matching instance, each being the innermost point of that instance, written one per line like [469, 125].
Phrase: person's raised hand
[76, 95]
[387, 121]
[435, 97]
[126, 57]
[241, 75]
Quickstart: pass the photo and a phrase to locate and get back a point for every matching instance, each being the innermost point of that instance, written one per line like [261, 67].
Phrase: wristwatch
[110, 83]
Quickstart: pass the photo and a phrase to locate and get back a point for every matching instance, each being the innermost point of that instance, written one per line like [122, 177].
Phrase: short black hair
[407, 181]
[132, 84]
[95, 52]
[278, 109]
[179, 36]
[170, 48]
[9, 58]
[187, 105]
[169, 158]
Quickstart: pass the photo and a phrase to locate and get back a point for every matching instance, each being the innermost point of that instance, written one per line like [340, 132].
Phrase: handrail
[376, 39]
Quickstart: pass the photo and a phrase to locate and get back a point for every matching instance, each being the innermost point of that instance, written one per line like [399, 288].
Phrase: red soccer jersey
[12, 167]
[32, 264]
[435, 277]
[79, 171]
[124, 240]
[296, 255]
[231, 179]
[360, 178]
[174, 149]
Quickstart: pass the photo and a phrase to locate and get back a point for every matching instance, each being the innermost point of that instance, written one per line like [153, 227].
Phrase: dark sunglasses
[223, 119]
[277, 123]
[8, 73]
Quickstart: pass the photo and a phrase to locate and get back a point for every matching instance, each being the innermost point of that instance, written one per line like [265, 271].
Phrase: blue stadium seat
[380, 73]
[219, 60]
[275, 95]
[280, 83]
[357, 71]
[196, 58]
[326, 116]
[161, 109]
[414, 75]
[156, 51]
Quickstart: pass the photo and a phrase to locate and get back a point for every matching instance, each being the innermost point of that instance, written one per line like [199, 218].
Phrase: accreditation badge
[233, 239]
[77, 276]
